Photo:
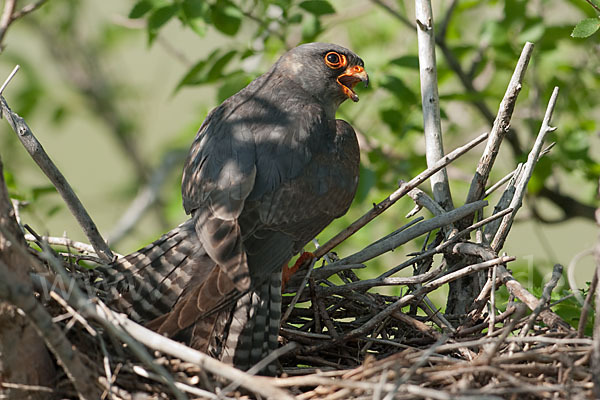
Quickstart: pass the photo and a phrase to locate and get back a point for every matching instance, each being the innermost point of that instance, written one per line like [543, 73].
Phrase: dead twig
[39, 155]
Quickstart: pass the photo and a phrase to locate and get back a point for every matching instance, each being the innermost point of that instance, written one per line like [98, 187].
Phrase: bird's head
[328, 71]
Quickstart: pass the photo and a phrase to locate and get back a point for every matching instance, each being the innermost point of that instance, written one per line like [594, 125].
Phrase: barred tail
[147, 283]
[254, 327]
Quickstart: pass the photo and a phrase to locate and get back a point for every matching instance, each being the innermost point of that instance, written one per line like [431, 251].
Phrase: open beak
[350, 78]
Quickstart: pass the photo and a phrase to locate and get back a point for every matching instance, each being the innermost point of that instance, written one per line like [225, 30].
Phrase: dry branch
[23, 297]
[525, 174]
[500, 127]
[39, 155]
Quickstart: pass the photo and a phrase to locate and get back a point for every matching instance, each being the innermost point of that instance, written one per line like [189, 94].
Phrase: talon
[287, 272]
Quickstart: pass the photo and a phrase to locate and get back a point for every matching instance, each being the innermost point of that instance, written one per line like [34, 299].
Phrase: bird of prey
[268, 170]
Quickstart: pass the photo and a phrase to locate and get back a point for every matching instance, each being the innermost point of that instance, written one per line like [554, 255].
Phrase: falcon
[268, 170]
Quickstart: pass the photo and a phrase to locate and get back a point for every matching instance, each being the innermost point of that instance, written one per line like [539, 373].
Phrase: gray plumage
[268, 170]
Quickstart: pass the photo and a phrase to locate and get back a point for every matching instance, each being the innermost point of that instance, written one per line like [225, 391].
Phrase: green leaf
[216, 71]
[399, 89]
[586, 28]
[409, 61]
[140, 9]
[158, 18]
[317, 7]
[194, 15]
[226, 17]
[207, 70]
[194, 75]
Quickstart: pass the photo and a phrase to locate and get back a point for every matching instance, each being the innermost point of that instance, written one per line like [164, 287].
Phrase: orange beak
[350, 78]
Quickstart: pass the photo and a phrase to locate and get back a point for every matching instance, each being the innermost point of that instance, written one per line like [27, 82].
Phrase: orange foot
[287, 272]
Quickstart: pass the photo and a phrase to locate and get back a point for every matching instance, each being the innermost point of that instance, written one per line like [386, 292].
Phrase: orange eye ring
[335, 60]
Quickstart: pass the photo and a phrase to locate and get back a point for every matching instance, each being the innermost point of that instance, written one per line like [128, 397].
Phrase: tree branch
[39, 155]
[525, 175]
[430, 100]
[500, 127]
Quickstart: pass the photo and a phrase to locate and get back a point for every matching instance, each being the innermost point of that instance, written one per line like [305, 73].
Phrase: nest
[332, 350]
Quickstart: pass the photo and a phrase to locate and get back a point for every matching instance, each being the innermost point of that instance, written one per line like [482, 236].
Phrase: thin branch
[413, 232]
[430, 102]
[521, 186]
[514, 287]
[10, 76]
[591, 3]
[6, 18]
[39, 155]
[391, 199]
[500, 127]
[570, 206]
[409, 298]
[22, 297]
[165, 345]
[146, 197]
[544, 299]
[587, 306]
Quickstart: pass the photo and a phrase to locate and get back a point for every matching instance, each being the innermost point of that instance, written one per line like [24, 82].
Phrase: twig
[492, 302]
[569, 205]
[521, 186]
[39, 155]
[10, 76]
[430, 102]
[544, 300]
[186, 388]
[23, 297]
[413, 368]
[421, 228]
[417, 294]
[445, 244]
[299, 291]
[587, 306]
[595, 6]
[514, 287]
[422, 200]
[146, 197]
[256, 368]
[84, 305]
[391, 199]
[490, 352]
[500, 127]
[73, 313]
[176, 349]
[496, 185]
[6, 18]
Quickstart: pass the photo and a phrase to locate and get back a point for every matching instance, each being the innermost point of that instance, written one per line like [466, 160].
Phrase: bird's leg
[287, 272]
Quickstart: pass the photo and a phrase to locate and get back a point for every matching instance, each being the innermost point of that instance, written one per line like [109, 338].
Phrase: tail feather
[254, 327]
[175, 288]
[147, 283]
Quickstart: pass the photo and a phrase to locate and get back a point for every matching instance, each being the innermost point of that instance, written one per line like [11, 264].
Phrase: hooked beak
[350, 78]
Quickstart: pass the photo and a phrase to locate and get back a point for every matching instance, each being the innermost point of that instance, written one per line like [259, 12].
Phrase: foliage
[483, 38]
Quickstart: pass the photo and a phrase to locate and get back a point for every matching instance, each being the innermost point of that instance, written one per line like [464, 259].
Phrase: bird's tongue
[348, 82]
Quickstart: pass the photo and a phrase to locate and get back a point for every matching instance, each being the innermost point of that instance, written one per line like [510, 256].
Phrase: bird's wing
[218, 175]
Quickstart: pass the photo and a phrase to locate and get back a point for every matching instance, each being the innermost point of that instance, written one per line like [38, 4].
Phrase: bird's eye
[335, 60]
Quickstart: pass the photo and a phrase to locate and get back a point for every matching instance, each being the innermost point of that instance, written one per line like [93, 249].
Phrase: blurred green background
[115, 90]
